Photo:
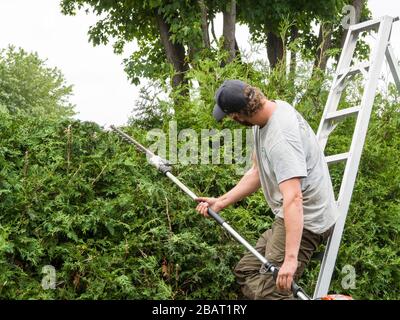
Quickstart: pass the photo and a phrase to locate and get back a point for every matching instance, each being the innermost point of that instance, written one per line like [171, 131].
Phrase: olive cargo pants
[257, 285]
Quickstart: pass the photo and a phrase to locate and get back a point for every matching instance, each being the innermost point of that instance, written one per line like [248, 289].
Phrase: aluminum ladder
[331, 116]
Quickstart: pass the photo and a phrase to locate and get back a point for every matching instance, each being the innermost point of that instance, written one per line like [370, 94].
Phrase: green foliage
[75, 197]
[27, 85]
[269, 14]
[136, 21]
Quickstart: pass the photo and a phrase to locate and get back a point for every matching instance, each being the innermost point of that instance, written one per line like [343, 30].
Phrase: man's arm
[293, 219]
[248, 184]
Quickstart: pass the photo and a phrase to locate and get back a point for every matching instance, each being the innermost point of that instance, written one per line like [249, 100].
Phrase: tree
[27, 85]
[173, 36]
[204, 23]
[229, 29]
[333, 35]
[175, 52]
[167, 34]
[265, 20]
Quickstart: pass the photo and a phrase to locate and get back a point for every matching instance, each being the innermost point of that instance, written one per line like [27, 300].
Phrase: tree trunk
[229, 29]
[358, 5]
[175, 54]
[324, 44]
[237, 51]
[213, 31]
[204, 23]
[274, 49]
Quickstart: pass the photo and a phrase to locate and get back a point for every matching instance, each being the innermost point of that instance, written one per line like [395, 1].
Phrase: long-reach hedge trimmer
[164, 167]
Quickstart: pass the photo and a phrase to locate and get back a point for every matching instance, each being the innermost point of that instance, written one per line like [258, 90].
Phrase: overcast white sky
[102, 92]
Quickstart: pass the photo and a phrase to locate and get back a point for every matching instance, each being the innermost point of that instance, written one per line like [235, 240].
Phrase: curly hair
[254, 97]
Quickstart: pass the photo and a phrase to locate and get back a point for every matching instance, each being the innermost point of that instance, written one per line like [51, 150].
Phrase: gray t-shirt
[286, 147]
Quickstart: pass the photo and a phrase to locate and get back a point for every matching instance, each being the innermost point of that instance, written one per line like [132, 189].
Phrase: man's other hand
[205, 203]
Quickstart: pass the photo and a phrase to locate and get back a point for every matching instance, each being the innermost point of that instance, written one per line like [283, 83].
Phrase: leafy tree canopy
[27, 85]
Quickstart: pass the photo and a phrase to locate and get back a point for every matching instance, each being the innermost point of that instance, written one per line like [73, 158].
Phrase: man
[290, 167]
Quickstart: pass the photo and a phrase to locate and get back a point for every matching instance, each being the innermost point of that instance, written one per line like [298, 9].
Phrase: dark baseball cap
[229, 98]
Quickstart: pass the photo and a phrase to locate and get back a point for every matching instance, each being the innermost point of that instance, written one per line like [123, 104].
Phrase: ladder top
[370, 24]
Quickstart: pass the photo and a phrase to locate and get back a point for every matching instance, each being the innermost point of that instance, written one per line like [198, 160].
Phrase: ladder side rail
[393, 65]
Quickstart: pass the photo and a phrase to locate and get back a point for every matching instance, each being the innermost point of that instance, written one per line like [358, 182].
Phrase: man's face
[239, 118]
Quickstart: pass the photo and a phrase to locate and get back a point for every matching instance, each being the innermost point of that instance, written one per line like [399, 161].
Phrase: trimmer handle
[295, 288]
[216, 216]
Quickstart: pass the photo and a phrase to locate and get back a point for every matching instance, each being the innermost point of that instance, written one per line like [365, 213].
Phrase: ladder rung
[337, 158]
[355, 69]
[338, 115]
[365, 26]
